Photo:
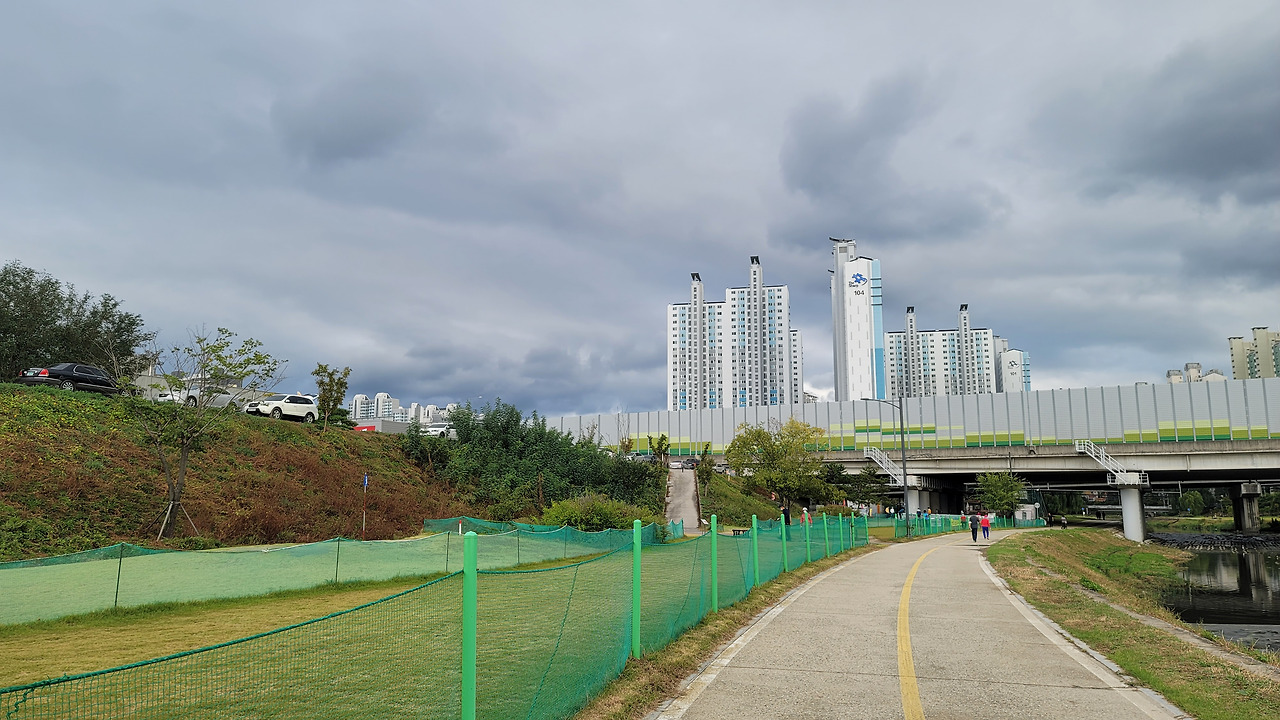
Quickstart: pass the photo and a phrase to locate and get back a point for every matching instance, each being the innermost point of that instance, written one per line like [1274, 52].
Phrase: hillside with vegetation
[76, 472]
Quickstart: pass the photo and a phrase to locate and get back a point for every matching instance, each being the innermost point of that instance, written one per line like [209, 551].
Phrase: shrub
[593, 513]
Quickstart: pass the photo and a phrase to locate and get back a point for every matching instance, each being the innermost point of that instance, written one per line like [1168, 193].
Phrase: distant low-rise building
[1192, 373]
[383, 407]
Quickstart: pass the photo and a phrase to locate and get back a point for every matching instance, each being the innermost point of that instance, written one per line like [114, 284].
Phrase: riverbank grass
[1049, 569]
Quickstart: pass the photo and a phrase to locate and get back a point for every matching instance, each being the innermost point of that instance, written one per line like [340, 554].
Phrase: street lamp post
[900, 406]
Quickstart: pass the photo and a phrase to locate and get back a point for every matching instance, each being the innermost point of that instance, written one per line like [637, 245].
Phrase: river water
[1234, 594]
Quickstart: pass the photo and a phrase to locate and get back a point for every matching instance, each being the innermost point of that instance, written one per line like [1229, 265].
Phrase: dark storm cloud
[553, 379]
[354, 118]
[1251, 255]
[843, 162]
[1202, 122]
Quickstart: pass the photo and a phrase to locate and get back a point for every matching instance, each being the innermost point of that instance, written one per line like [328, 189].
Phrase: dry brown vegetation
[74, 475]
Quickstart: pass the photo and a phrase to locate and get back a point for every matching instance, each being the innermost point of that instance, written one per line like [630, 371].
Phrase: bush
[733, 504]
[594, 513]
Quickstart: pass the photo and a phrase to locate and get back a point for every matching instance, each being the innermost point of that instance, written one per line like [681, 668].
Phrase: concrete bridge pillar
[915, 498]
[1244, 506]
[1131, 510]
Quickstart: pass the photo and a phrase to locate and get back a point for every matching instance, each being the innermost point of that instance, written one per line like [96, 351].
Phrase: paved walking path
[682, 502]
[852, 644]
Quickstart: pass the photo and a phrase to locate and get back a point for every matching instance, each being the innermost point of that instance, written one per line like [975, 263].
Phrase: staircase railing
[879, 457]
[1119, 474]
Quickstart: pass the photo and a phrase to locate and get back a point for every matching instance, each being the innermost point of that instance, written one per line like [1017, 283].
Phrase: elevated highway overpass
[1210, 433]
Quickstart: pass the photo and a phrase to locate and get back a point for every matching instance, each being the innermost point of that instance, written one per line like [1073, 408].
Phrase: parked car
[301, 407]
[212, 396]
[721, 467]
[689, 463]
[675, 465]
[436, 430]
[72, 376]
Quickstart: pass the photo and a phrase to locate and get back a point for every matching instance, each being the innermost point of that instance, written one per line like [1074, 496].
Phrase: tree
[868, 487]
[778, 458]
[1000, 492]
[1191, 501]
[428, 451]
[704, 472]
[341, 418]
[511, 465]
[625, 442]
[660, 448]
[175, 431]
[332, 387]
[43, 321]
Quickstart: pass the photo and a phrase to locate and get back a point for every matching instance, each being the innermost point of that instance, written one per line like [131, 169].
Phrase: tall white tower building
[1014, 374]
[856, 316]
[740, 352]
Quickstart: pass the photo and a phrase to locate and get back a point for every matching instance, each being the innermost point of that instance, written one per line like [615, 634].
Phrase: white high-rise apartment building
[360, 408]
[1258, 358]
[857, 324]
[385, 405]
[738, 353]
[797, 367]
[962, 361]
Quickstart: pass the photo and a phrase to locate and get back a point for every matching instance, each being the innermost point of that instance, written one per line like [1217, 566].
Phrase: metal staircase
[878, 456]
[1117, 474]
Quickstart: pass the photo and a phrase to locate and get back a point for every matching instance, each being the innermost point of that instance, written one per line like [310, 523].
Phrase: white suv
[302, 407]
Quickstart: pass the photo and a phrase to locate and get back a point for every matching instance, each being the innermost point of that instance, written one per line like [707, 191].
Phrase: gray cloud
[843, 163]
[354, 118]
[1202, 122]
[497, 200]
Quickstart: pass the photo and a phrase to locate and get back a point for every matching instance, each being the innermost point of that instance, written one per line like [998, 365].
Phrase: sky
[469, 201]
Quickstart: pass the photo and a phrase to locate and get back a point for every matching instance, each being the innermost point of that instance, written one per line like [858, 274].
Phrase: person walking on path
[973, 526]
[986, 526]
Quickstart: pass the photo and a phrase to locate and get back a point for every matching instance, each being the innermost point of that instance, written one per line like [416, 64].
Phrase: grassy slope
[74, 475]
[1130, 575]
[733, 505]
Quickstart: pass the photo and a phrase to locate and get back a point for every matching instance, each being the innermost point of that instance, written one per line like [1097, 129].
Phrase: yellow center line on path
[911, 706]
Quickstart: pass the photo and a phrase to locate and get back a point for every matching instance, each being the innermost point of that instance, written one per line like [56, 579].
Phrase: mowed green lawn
[52, 591]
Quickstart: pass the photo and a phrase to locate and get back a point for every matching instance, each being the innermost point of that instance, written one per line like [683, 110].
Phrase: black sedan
[71, 376]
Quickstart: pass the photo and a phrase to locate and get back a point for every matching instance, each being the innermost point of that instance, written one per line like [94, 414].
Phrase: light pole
[900, 406]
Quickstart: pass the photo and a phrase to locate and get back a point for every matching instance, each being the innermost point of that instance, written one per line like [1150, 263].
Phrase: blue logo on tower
[857, 280]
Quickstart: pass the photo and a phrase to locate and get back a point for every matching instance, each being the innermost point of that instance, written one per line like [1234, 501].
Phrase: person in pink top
[986, 526]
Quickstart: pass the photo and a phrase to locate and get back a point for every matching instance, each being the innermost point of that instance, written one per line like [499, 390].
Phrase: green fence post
[755, 550]
[469, 593]
[337, 553]
[782, 521]
[119, 567]
[808, 550]
[715, 568]
[635, 589]
[826, 535]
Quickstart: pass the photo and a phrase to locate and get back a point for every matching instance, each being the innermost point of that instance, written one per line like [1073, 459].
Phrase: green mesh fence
[940, 524]
[547, 640]
[394, 658]
[131, 576]
[736, 569]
